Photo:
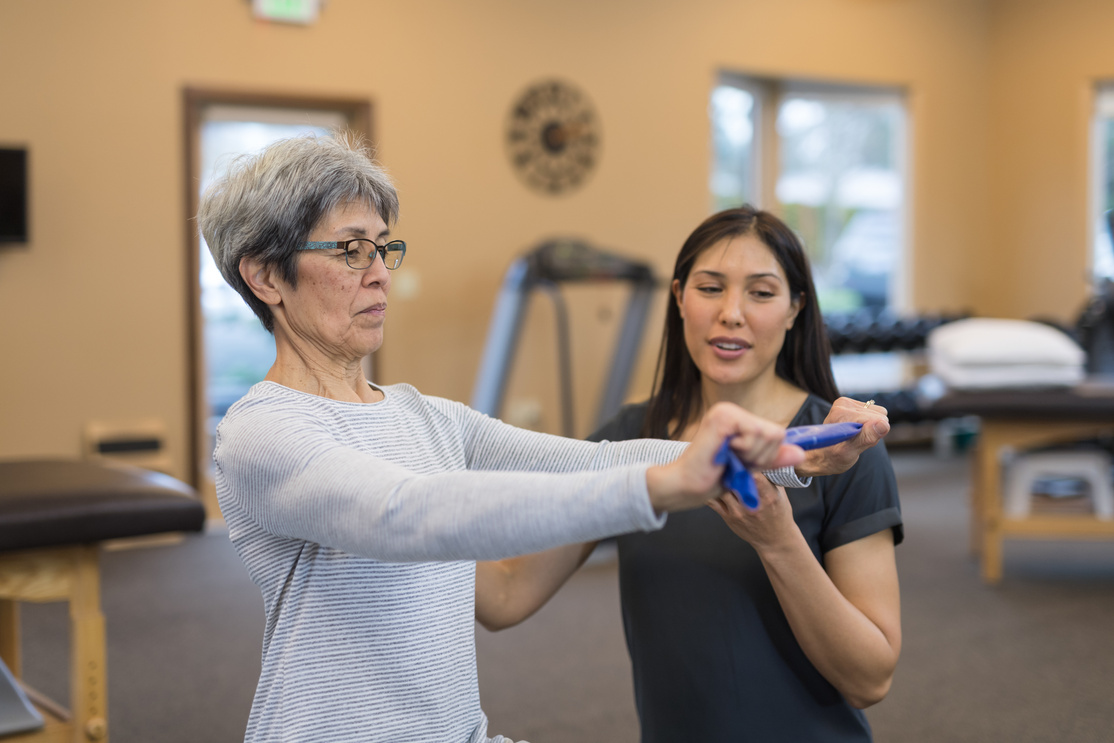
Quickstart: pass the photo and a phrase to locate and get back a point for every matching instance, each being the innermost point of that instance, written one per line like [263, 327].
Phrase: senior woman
[360, 510]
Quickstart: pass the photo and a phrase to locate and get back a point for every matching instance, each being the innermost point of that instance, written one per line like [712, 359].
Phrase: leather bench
[54, 513]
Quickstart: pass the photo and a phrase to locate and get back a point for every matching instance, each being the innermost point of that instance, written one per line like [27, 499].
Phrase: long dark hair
[805, 357]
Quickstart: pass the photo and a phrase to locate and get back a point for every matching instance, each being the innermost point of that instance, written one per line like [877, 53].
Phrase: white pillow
[997, 342]
[991, 352]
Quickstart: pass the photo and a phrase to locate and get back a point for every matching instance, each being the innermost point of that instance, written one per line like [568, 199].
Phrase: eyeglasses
[360, 253]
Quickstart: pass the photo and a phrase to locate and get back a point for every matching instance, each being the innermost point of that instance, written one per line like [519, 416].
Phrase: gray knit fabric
[787, 477]
[361, 524]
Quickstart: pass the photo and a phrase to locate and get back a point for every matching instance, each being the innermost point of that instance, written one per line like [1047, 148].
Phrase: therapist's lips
[728, 348]
[376, 310]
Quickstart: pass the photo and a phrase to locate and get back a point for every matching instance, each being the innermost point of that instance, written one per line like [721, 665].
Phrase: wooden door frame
[194, 100]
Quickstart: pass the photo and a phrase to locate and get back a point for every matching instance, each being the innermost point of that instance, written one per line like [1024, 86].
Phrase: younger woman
[778, 624]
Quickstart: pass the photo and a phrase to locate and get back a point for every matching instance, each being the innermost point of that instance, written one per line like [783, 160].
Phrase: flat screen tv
[13, 195]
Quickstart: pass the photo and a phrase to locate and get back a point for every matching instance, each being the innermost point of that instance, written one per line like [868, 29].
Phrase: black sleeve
[862, 501]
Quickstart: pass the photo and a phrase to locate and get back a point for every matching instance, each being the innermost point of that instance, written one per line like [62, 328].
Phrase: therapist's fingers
[874, 417]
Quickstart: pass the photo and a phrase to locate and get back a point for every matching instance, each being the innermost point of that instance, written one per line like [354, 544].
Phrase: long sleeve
[419, 479]
[361, 523]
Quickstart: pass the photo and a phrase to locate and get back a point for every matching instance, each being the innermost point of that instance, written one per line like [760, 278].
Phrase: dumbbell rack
[882, 332]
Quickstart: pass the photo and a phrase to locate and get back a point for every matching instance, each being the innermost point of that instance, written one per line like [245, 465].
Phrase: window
[1102, 184]
[228, 348]
[830, 161]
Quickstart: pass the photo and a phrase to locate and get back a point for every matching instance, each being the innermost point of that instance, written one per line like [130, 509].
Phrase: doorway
[229, 349]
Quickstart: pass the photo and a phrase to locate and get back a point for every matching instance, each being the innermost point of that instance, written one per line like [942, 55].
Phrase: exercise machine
[546, 268]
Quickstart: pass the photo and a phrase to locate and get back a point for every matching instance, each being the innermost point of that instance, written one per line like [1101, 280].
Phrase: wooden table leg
[89, 686]
[974, 495]
[989, 505]
[992, 553]
[9, 636]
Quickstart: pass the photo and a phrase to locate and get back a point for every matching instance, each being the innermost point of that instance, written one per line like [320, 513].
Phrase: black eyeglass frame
[394, 246]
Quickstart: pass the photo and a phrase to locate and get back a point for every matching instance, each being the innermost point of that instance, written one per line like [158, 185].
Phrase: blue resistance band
[737, 478]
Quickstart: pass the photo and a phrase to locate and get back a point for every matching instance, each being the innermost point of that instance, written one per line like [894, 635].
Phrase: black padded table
[1027, 419]
[54, 513]
[48, 502]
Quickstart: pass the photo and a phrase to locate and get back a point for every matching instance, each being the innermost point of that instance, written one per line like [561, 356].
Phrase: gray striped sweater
[361, 524]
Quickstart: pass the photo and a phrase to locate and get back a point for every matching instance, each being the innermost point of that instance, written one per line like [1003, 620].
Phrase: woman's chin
[370, 348]
[363, 344]
[725, 372]
[728, 379]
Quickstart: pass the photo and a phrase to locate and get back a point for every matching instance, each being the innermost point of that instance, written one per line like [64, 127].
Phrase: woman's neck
[769, 397]
[315, 374]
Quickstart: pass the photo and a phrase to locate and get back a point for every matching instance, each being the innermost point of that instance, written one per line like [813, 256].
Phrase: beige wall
[1046, 58]
[94, 308]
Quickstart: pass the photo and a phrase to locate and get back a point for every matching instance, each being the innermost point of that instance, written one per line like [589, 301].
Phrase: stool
[1092, 467]
[53, 514]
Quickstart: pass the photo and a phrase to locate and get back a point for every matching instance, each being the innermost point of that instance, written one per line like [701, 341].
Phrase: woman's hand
[767, 526]
[694, 478]
[833, 460]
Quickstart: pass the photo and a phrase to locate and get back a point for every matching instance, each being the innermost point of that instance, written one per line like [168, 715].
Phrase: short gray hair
[267, 204]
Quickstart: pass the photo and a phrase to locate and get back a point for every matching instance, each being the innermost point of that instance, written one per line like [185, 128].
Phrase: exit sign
[287, 11]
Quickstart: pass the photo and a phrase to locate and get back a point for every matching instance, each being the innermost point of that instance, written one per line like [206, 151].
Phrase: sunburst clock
[553, 137]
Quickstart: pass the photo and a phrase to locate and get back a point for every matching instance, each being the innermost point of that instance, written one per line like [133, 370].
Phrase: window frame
[1102, 111]
[769, 93]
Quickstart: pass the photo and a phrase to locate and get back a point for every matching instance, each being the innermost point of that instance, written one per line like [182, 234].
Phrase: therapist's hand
[833, 460]
[769, 525]
[693, 479]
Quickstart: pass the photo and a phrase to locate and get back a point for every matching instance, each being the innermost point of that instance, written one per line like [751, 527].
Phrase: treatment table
[54, 515]
[1020, 420]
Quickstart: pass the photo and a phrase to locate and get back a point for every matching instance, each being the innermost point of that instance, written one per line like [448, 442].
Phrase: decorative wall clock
[553, 137]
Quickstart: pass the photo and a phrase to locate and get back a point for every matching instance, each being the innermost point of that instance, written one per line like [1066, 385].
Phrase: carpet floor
[1029, 660]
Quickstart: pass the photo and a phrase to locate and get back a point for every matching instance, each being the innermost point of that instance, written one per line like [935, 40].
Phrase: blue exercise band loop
[736, 477]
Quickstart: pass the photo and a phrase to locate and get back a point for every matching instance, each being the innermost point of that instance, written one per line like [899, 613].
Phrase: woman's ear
[794, 310]
[676, 288]
[261, 279]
